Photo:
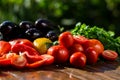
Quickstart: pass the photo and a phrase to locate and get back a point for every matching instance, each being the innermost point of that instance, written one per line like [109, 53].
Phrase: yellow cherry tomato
[42, 44]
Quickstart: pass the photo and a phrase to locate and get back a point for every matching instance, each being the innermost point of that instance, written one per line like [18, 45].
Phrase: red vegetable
[91, 55]
[5, 62]
[49, 59]
[22, 48]
[79, 39]
[59, 53]
[4, 47]
[66, 39]
[18, 61]
[76, 47]
[21, 41]
[78, 59]
[36, 64]
[31, 58]
[96, 44]
[109, 55]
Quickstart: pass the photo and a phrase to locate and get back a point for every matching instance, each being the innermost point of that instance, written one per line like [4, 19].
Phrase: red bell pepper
[36, 64]
[49, 59]
[31, 58]
[22, 48]
[4, 47]
[18, 61]
[5, 62]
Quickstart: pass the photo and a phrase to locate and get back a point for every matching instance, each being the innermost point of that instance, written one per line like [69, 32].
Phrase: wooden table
[99, 71]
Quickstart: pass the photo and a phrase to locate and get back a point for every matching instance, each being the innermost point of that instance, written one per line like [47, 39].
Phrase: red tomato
[78, 59]
[4, 47]
[18, 61]
[66, 39]
[49, 59]
[21, 41]
[96, 44]
[79, 39]
[92, 55]
[109, 55]
[76, 47]
[59, 53]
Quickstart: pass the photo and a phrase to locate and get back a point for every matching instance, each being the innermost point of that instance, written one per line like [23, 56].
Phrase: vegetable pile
[20, 53]
[107, 38]
[79, 47]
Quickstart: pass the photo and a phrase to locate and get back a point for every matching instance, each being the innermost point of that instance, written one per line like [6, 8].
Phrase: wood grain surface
[100, 71]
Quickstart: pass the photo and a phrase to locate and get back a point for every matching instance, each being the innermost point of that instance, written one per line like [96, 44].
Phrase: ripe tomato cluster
[79, 50]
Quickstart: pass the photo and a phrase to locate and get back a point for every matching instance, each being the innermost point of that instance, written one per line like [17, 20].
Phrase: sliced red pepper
[36, 64]
[22, 48]
[10, 55]
[31, 58]
[4, 47]
[49, 59]
[5, 62]
[18, 61]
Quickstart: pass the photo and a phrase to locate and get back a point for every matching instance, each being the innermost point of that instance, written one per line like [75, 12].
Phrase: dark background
[66, 13]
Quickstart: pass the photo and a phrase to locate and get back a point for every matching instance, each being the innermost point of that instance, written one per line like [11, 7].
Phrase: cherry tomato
[18, 61]
[109, 55]
[78, 59]
[21, 41]
[66, 39]
[59, 53]
[92, 55]
[4, 47]
[96, 44]
[79, 39]
[76, 47]
[49, 59]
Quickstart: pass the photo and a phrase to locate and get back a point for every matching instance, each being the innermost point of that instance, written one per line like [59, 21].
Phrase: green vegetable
[106, 37]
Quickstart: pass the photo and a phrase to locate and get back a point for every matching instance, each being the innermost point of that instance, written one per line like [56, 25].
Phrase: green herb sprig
[106, 37]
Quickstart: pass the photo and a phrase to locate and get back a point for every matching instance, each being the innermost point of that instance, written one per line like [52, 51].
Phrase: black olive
[24, 25]
[44, 25]
[52, 35]
[33, 33]
[9, 29]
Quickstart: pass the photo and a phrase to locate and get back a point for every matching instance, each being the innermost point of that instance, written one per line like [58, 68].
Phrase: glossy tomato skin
[92, 55]
[96, 44]
[110, 55]
[78, 59]
[4, 47]
[66, 39]
[76, 47]
[60, 53]
[21, 41]
[79, 39]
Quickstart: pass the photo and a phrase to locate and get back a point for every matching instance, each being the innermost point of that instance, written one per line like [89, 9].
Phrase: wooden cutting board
[99, 71]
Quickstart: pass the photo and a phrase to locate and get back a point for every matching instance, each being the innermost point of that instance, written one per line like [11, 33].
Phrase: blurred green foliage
[103, 13]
